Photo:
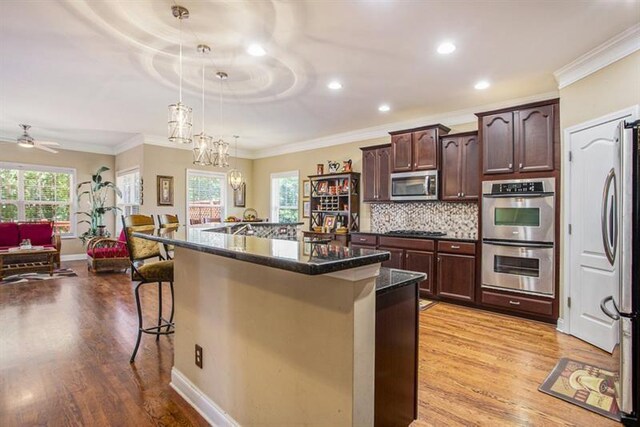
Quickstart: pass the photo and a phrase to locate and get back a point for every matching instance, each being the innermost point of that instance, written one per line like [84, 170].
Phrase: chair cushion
[119, 251]
[38, 233]
[160, 271]
[9, 234]
[122, 237]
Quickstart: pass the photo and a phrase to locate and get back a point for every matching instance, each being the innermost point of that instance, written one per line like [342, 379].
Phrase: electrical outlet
[198, 356]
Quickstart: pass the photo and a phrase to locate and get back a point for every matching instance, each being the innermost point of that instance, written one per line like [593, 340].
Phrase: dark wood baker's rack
[345, 205]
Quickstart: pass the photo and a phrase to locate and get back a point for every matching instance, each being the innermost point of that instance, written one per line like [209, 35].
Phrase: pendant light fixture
[180, 120]
[235, 176]
[221, 147]
[203, 143]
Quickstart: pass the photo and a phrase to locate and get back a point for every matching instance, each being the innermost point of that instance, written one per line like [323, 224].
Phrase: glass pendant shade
[180, 123]
[202, 147]
[235, 179]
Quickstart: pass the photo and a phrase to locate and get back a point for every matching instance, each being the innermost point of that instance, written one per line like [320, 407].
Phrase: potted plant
[96, 192]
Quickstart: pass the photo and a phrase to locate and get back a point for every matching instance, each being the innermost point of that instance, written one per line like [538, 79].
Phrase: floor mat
[425, 304]
[26, 277]
[584, 385]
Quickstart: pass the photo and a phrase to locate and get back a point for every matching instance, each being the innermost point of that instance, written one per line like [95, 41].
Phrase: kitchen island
[287, 328]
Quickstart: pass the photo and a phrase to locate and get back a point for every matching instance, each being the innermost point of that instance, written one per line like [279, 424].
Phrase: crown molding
[162, 141]
[612, 50]
[448, 119]
[134, 141]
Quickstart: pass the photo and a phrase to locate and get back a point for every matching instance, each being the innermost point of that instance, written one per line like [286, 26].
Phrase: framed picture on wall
[239, 196]
[306, 189]
[165, 190]
[329, 222]
[306, 208]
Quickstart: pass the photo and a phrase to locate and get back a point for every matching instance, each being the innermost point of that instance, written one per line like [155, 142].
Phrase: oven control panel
[518, 187]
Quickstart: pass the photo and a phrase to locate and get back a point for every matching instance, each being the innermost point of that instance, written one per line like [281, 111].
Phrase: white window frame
[275, 194]
[72, 234]
[223, 192]
[119, 202]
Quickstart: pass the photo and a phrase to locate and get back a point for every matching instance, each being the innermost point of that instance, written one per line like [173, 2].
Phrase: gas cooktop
[417, 233]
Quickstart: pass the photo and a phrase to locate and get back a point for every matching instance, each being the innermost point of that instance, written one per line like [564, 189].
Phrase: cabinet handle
[406, 256]
[455, 247]
[415, 165]
[458, 194]
[362, 239]
[514, 302]
[461, 194]
[510, 165]
[438, 259]
[408, 165]
[520, 165]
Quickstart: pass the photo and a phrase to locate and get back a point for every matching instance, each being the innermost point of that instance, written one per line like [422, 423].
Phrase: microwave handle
[427, 181]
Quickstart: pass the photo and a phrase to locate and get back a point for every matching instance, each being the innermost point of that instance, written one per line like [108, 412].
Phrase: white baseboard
[561, 326]
[73, 257]
[200, 402]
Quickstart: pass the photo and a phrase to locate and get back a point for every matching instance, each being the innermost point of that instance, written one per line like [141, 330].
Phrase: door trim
[564, 321]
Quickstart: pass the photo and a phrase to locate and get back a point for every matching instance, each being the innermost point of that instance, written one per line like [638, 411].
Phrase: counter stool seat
[159, 271]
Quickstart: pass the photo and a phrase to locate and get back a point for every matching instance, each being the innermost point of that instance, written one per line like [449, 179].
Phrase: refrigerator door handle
[605, 310]
[609, 237]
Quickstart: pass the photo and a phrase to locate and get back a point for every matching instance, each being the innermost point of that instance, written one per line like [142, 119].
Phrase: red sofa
[40, 234]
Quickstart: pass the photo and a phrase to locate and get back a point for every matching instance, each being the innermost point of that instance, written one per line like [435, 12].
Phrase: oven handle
[519, 244]
[517, 195]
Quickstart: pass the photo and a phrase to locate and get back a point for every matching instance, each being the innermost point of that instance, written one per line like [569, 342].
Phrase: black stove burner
[417, 233]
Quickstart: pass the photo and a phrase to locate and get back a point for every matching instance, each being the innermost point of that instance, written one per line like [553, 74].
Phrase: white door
[595, 152]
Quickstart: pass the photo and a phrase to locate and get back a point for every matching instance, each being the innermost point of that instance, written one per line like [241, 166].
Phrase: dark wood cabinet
[402, 148]
[456, 276]
[416, 149]
[396, 260]
[460, 167]
[425, 150]
[520, 139]
[497, 143]
[376, 173]
[535, 129]
[423, 262]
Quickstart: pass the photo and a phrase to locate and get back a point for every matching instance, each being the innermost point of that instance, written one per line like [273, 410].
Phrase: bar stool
[141, 250]
[168, 224]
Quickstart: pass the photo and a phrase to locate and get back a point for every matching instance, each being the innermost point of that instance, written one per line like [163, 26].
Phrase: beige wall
[85, 165]
[610, 89]
[175, 162]
[305, 163]
[132, 158]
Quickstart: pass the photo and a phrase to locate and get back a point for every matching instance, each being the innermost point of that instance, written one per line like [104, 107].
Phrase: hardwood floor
[65, 345]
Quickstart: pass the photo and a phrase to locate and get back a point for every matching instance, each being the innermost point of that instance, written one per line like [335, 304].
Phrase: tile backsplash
[456, 219]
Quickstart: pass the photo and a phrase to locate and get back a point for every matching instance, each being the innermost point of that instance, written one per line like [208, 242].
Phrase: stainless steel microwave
[407, 186]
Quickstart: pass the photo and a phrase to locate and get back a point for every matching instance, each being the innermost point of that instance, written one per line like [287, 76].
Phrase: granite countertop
[451, 235]
[391, 278]
[293, 255]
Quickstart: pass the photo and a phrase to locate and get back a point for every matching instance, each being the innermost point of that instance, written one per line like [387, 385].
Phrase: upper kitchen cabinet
[416, 149]
[521, 139]
[460, 167]
[376, 173]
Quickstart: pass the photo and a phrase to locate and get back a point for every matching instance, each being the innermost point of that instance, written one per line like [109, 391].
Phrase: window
[284, 197]
[35, 193]
[206, 197]
[128, 181]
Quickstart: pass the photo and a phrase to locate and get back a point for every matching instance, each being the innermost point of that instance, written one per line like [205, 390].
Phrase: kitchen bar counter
[391, 278]
[297, 256]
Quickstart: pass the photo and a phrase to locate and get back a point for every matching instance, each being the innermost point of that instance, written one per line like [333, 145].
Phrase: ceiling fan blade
[48, 143]
[45, 148]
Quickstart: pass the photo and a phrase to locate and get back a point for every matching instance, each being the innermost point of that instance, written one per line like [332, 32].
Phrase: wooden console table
[13, 262]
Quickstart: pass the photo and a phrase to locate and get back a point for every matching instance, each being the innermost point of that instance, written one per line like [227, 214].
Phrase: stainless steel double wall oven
[518, 235]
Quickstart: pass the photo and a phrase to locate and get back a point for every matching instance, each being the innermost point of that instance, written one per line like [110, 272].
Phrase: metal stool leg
[159, 309]
[173, 305]
[139, 307]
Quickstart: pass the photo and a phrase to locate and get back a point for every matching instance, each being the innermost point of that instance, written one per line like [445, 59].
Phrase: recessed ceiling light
[334, 85]
[384, 108]
[446, 48]
[256, 50]
[482, 84]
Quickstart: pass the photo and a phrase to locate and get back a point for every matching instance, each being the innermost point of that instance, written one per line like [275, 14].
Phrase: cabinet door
[535, 129]
[497, 143]
[425, 150]
[369, 175]
[422, 262]
[451, 169]
[401, 146]
[456, 276]
[396, 257]
[470, 169]
[384, 174]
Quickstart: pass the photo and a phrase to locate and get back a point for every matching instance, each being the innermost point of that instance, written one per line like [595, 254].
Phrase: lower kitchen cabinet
[423, 262]
[396, 258]
[457, 276]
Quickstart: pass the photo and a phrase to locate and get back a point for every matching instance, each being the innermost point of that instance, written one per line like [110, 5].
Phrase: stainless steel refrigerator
[621, 240]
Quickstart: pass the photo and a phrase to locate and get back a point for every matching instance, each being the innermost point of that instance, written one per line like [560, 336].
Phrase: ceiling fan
[25, 140]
